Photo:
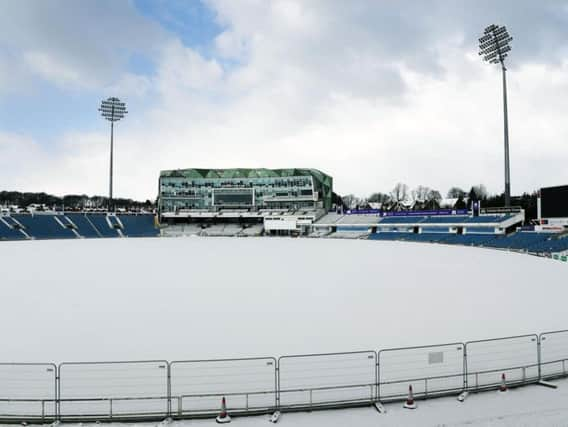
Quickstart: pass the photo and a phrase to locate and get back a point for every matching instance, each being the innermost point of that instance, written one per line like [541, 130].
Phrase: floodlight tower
[113, 110]
[494, 47]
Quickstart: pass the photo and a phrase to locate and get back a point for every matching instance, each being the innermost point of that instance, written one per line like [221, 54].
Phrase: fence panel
[28, 391]
[431, 370]
[327, 379]
[554, 353]
[106, 390]
[487, 360]
[197, 386]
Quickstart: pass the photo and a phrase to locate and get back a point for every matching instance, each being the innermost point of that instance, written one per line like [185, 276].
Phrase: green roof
[243, 173]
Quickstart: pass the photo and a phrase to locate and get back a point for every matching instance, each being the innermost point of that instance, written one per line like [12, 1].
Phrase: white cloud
[59, 73]
[373, 94]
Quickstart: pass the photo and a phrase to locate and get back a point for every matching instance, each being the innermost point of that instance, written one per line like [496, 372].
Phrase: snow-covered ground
[192, 298]
[198, 298]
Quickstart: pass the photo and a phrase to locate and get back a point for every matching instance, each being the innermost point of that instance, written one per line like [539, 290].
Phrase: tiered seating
[213, 230]
[114, 222]
[84, 227]
[452, 219]
[402, 219]
[551, 245]
[477, 230]
[388, 236]
[469, 239]
[425, 237]
[329, 218]
[358, 219]
[253, 230]
[232, 229]
[359, 228]
[7, 233]
[486, 219]
[435, 230]
[100, 223]
[191, 229]
[44, 227]
[320, 232]
[522, 240]
[139, 225]
[348, 235]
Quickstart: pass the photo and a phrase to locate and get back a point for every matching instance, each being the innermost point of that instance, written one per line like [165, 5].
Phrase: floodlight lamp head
[112, 109]
[494, 44]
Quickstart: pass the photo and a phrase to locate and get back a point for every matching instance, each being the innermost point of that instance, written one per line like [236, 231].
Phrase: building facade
[246, 189]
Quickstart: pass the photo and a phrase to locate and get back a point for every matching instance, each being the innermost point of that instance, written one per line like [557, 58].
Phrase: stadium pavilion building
[278, 201]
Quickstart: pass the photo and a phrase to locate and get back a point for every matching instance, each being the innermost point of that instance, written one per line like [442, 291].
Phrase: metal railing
[158, 389]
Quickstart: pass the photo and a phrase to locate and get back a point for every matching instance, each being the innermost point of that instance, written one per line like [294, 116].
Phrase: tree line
[402, 198]
[69, 202]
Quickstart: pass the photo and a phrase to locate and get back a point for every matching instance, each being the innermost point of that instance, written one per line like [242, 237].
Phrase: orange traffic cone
[223, 417]
[410, 403]
[503, 386]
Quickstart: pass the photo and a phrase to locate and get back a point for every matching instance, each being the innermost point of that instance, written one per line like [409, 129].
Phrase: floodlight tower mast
[112, 110]
[494, 47]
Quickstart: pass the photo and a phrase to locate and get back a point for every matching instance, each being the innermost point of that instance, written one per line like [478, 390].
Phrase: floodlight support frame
[494, 45]
[506, 138]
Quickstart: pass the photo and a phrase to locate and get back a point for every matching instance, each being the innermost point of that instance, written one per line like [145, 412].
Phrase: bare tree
[379, 197]
[479, 191]
[399, 195]
[455, 193]
[433, 199]
[420, 193]
[349, 200]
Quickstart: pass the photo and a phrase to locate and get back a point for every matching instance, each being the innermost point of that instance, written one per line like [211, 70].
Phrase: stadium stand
[480, 230]
[75, 225]
[518, 241]
[349, 234]
[402, 220]
[550, 245]
[469, 239]
[435, 229]
[138, 225]
[358, 219]
[432, 230]
[8, 233]
[253, 230]
[486, 218]
[44, 227]
[388, 236]
[83, 225]
[450, 219]
[100, 222]
[330, 218]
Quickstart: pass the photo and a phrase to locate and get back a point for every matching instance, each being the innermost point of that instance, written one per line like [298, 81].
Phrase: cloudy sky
[372, 92]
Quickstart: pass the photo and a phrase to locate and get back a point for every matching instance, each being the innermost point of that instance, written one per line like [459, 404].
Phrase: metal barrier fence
[197, 386]
[432, 370]
[156, 389]
[317, 380]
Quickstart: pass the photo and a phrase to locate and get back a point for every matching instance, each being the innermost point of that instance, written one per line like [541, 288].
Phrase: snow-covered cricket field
[192, 298]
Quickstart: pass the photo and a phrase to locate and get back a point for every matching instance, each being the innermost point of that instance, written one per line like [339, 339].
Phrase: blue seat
[42, 226]
[139, 225]
[99, 221]
[387, 236]
[451, 219]
[550, 245]
[7, 233]
[84, 227]
[519, 241]
[470, 239]
[401, 219]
